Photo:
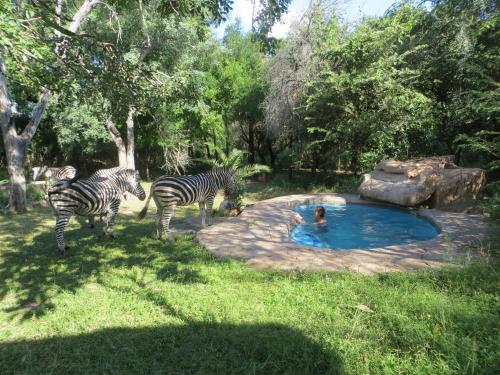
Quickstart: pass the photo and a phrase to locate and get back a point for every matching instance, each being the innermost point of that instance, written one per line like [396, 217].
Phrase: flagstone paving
[260, 235]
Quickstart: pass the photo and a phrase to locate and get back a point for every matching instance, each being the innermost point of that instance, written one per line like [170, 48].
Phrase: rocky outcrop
[436, 182]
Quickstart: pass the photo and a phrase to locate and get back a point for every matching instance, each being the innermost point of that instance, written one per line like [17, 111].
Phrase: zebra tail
[143, 212]
[64, 185]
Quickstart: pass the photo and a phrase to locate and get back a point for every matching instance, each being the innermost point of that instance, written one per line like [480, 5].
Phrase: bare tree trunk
[15, 161]
[130, 139]
[251, 143]
[120, 145]
[272, 154]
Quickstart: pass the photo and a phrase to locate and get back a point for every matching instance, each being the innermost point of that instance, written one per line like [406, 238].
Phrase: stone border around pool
[260, 235]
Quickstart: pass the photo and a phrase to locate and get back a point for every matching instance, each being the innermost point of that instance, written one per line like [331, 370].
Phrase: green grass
[137, 305]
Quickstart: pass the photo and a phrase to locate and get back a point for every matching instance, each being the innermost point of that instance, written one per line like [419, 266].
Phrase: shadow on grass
[194, 348]
[35, 272]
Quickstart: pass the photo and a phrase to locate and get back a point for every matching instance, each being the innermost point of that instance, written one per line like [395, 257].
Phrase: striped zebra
[102, 174]
[54, 174]
[99, 176]
[171, 191]
[86, 198]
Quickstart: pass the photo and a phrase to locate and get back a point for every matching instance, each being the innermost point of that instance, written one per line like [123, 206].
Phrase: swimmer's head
[319, 212]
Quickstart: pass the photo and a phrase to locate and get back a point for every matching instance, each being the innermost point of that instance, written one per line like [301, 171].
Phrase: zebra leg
[110, 222]
[202, 213]
[159, 223]
[61, 222]
[210, 205]
[91, 222]
[167, 214]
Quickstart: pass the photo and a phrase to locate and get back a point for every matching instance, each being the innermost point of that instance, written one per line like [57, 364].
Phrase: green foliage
[402, 85]
[4, 197]
[35, 194]
[364, 108]
[235, 161]
[79, 128]
[487, 142]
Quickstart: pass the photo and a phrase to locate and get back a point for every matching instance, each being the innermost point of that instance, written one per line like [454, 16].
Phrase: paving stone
[260, 235]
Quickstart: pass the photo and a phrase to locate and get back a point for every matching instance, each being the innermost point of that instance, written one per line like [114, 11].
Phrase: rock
[435, 181]
[229, 208]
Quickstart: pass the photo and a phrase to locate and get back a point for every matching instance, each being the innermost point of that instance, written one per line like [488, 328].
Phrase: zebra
[102, 174]
[171, 191]
[54, 174]
[85, 198]
[99, 176]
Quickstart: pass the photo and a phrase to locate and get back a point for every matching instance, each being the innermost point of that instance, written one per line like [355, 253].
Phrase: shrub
[35, 194]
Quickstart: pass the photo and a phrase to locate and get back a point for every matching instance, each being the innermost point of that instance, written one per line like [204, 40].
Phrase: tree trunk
[15, 145]
[272, 155]
[130, 139]
[120, 145]
[17, 200]
[15, 150]
[251, 143]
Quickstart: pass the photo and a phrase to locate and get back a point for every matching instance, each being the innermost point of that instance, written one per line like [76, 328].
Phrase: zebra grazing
[85, 198]
[54, 174]
[171, 191]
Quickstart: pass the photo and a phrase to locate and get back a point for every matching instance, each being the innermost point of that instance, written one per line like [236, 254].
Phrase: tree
[24, 39]
[289, 72]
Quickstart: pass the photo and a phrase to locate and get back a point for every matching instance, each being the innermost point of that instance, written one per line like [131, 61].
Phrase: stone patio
[260, 235]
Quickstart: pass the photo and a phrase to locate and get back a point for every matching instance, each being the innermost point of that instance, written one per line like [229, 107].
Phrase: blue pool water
[361, 226]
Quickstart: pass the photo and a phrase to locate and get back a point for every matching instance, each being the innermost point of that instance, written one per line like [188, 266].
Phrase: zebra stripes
[102, 174]
[68, 197]
[99, 176]
[169, 192]
[54, 174]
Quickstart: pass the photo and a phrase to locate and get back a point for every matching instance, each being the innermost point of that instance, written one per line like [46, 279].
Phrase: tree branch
[30, 129]
[115, 134]
[5, 103]
[82, 12]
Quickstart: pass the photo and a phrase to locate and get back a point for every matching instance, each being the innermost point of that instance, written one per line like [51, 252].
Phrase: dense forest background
[148, 85]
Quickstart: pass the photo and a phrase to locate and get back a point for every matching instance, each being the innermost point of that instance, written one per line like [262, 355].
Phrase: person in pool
[319, 215]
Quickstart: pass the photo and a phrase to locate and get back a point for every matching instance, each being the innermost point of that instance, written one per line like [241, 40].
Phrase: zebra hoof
[63, 251]
[112, 236]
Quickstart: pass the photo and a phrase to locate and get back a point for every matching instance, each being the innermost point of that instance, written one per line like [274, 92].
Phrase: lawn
[137, 305]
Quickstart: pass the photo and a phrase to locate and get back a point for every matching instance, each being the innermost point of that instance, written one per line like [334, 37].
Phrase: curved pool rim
[260, 237]
[371, 204]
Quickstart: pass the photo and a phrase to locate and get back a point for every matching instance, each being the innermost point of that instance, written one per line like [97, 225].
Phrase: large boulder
[435, 181]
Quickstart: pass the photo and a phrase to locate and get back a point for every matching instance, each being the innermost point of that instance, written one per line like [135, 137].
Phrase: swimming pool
[361, 226]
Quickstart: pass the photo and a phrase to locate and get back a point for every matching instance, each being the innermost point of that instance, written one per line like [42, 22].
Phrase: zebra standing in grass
[86, 198]
[54, 174]
[171, 191]
[99, 176]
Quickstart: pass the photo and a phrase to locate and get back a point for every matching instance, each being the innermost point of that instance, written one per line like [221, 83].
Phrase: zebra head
[133, 183]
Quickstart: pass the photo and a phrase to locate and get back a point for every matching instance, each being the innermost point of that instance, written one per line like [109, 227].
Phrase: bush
[35, 194]
[4, 197]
